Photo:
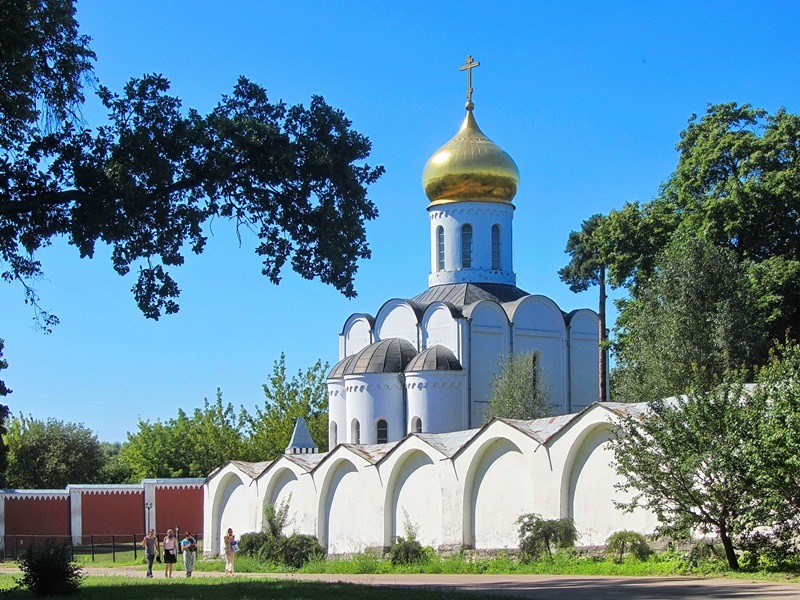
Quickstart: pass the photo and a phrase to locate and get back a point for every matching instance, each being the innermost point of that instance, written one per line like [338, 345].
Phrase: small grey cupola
[301, 442]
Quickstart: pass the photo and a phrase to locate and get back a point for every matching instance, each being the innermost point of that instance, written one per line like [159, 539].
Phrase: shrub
[627, 542]
[49, 570]
[536, 535]
[407, 550]
[299, 549]
[251, 543]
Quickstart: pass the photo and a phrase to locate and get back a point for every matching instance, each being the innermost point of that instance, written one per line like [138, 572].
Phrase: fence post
[135, 557]
[113, 548]
[91, 538]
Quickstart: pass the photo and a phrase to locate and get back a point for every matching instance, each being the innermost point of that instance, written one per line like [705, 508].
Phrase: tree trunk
[603, 391]
[730, 554]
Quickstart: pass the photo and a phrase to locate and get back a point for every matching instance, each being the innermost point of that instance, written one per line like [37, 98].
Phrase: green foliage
[186, 446]
[304, 395]
[518, 389]
[273, 547]
[537, 536]
[149, 180]
[699, 310]
[276, 518]
[627, 542]
[723, 461]
[48, 570]
[251, 543]
[407, 550]
[114, 470]
[51, 454]
[4, 414]
[299, 549]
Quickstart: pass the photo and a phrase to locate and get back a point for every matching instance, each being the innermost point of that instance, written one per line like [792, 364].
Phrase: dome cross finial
[468, 66]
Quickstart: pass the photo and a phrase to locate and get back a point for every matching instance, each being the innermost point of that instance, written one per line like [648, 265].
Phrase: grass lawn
[125, 588]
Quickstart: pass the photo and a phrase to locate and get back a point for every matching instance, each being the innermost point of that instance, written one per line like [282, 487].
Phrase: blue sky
[587, 97]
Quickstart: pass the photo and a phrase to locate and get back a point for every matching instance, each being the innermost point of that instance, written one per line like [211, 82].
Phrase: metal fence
[95, 548]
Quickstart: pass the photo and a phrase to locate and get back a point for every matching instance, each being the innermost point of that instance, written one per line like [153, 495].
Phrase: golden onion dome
[470, 168]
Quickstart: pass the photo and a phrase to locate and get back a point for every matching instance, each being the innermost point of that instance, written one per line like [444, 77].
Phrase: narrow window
[416, 425]
[355, 432]
[466, 247]
[440, 248]
[496, 247]
[383, 431]
[332, 441]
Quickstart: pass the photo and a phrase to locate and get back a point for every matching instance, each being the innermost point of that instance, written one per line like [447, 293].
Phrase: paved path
[540, 587]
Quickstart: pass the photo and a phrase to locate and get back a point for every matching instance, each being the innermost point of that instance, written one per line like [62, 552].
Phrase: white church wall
[584, 361]
[481, 216]
[397, 319]
[234, 505]
[438, 399]
[371, 397]
[498, 486]
[356, 335]
[283, 485]
[337, 412]
[582, 458]
[440, 327]
[538, 326]
[413, 496]
[489, 341]
[350, 510]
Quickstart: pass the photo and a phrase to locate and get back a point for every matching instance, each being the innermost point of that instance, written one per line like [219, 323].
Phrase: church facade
[408, 442]
[425, 364]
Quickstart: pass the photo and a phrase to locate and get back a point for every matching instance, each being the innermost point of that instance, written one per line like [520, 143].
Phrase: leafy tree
[684, 461]
[518, 391]
[147, 181]
[627, 542]
[773, 449]
[51, 454]
[588, 267]
[304, 395]
[538, 535]
[722, 461]
[186, 446]
[696, 317]
[114, 468]
[4, 414]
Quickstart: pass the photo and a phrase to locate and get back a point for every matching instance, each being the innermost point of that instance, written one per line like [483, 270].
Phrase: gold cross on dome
[468, 66]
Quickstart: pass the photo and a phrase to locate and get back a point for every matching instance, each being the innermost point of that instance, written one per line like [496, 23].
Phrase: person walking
[151, 549]
[170, 552]
[231, 547]
[189, 547]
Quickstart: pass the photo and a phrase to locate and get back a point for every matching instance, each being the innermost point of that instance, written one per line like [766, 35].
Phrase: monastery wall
[461, 489]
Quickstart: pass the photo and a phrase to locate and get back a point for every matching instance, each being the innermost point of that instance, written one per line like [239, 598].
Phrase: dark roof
[301, 438]
[338, 369]
[385, 356]
[462, 294]
[435, 358]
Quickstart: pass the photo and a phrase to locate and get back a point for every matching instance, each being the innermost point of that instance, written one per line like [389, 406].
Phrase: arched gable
[232, 507]
[440, 326]
[584, 340]
[412, 483]
[398, 318]
[498, 488]
[536, 313]
[281, 482]
[346, 488]
[357, 333]
[490, 340]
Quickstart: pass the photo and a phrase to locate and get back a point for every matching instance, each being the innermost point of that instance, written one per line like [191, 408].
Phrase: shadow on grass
[123, 588]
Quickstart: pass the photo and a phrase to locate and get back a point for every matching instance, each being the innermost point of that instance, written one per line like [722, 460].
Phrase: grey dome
[338, 369]
[435, 358]
[385, 356]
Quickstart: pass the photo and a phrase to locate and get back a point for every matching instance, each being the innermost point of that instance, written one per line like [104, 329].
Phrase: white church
[408, 396]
